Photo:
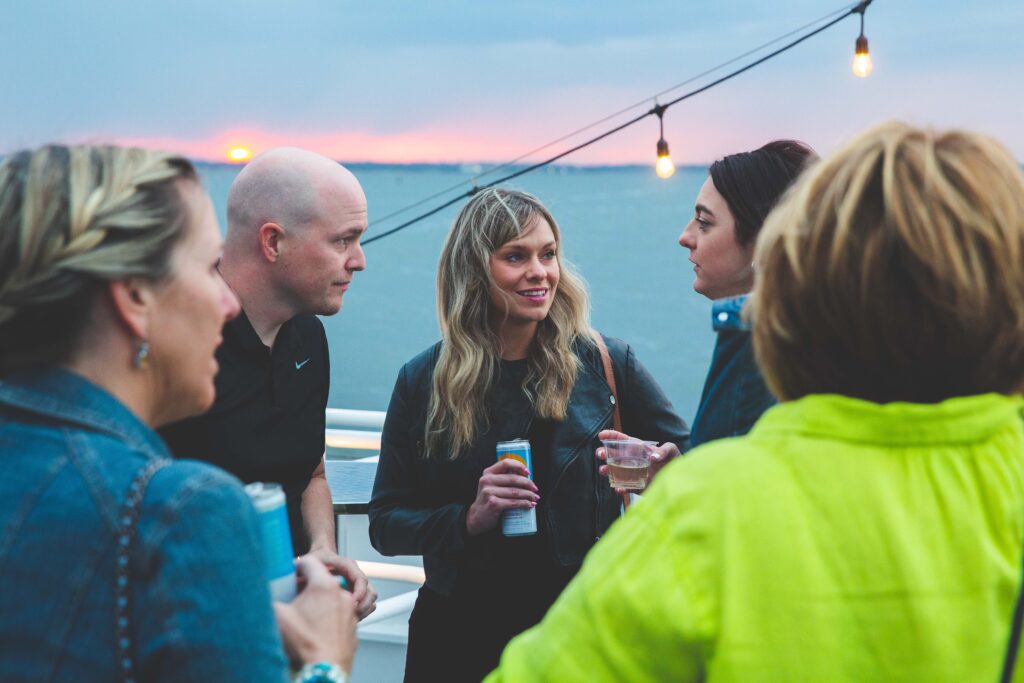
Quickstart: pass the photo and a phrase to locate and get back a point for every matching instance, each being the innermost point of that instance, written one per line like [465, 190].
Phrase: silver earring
[141, 359]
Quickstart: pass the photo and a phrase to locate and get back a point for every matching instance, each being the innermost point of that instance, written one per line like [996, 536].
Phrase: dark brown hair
[752, 182]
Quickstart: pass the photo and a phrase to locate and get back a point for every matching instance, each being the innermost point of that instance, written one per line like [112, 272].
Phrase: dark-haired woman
[731, 207]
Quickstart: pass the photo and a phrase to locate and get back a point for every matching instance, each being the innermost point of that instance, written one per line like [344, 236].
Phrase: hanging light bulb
[861, 57]
[664, 166]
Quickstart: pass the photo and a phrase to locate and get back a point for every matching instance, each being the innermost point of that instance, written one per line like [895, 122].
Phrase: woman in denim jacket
[111, 307]
[730, 208]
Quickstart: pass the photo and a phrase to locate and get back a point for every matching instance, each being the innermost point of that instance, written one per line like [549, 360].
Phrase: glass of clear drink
[628, 462]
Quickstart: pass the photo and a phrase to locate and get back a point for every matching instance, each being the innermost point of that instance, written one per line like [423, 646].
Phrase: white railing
[383, 634]
[358, 429]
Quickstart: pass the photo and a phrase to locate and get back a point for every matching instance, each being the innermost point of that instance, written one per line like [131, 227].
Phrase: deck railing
[383, 634]
[357, 429]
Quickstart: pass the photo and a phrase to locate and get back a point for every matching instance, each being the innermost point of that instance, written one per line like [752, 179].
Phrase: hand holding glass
[628, 462]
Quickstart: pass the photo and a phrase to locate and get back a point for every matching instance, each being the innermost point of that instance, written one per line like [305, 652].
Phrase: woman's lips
[533, 294]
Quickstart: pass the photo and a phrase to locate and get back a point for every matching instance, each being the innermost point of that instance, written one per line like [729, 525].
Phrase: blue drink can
[518, 522]
[272, 511]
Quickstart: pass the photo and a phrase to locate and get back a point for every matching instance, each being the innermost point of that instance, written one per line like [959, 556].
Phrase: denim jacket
[200, 605]
[734, 394]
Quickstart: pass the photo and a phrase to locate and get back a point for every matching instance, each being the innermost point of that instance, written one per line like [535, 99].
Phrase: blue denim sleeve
[202, 605]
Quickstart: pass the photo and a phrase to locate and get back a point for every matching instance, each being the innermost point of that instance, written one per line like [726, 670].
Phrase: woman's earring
[141, 359]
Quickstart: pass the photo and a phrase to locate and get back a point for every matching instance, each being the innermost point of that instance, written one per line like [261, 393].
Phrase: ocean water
[620, 228]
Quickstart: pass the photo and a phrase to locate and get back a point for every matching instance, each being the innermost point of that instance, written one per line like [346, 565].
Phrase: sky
[460, 81]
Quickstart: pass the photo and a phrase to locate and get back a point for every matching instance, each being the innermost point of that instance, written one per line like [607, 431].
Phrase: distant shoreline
[478, 168]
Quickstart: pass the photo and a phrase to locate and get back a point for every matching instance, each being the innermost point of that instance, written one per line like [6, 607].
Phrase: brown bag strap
[609, 376]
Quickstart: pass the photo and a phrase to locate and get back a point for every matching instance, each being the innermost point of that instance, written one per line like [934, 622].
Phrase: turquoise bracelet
[321, 672]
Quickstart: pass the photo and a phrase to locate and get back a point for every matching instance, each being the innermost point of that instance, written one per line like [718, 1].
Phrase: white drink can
[518, 522]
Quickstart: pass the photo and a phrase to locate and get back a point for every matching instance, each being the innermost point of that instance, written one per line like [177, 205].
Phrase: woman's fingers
[508, 466]
[512, 493]
[612, 435]
[313, 571]
[507, 481]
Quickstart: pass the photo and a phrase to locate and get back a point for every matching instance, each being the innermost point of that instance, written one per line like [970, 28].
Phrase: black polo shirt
[267, 423]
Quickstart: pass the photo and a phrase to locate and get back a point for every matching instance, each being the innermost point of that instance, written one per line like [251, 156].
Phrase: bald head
[294, 223]
[291, 187]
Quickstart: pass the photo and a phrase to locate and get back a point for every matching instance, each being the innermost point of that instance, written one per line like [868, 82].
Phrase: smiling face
[189, 312]
[524, 275]
[721, 264]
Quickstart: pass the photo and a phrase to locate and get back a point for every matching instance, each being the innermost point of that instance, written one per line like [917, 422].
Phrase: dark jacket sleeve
[402, 520]
[647, 413]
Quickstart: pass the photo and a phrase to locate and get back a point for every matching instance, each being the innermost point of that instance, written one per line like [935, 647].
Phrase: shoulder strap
[609, 376]
[127, 521]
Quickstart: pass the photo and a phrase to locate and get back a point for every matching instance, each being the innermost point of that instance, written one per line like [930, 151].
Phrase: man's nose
[358, 259]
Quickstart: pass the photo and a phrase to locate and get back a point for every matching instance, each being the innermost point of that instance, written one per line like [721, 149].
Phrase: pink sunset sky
[466, 83]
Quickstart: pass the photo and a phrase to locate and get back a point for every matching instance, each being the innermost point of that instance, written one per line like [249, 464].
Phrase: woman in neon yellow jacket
[869, 527]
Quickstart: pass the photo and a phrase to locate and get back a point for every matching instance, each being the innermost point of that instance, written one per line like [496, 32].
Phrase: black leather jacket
[419, 506]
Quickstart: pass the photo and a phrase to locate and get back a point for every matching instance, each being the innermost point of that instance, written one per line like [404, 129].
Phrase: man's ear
[271, 235]
[133, 301]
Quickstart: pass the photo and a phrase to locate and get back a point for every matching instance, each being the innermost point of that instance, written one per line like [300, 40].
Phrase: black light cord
[490, 171]
[656, 110]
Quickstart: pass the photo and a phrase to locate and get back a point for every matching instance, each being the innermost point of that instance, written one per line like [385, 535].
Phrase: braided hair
[71, 219]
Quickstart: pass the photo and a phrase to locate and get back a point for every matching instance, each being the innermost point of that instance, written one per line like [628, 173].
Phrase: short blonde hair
[894, 271]
[72, 218]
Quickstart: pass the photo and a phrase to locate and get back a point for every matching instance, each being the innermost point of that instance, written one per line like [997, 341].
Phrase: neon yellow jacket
[840, 540]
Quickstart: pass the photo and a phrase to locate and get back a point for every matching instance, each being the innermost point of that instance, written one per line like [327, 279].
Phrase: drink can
[518, 522]
[272, 512]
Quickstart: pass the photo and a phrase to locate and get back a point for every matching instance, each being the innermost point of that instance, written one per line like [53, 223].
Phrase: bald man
[292, 248]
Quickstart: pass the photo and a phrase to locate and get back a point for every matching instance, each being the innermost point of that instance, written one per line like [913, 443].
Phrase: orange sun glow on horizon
[239, 154]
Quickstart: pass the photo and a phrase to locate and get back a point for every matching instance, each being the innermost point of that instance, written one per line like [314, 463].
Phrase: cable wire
[609, 117]
[858, 8]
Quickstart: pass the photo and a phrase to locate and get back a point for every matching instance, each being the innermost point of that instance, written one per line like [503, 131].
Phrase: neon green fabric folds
[840, 540]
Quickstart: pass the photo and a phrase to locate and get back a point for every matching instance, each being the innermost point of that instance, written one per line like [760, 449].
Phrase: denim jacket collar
[727, 314]
[65, 397]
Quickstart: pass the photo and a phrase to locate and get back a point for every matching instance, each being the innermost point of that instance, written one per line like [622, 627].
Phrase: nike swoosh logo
[298, 365]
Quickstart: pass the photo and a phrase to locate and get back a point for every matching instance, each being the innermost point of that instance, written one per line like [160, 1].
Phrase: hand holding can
[503, 486]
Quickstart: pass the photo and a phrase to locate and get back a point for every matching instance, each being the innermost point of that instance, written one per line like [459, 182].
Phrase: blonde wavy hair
[471, 350]
[894, 271]
[72, 218]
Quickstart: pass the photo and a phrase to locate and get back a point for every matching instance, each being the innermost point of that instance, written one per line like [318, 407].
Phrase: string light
[664, 166]
[862, 65]
[857, 8]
